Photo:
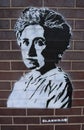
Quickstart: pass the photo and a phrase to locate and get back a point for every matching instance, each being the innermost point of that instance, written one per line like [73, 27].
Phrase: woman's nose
[32, 51]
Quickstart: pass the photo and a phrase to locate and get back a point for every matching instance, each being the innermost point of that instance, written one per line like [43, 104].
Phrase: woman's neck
[48, 66]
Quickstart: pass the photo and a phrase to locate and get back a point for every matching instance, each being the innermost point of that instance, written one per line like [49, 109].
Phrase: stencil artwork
[43, 35]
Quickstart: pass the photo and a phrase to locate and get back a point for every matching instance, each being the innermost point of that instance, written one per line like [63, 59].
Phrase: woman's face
[32, 43]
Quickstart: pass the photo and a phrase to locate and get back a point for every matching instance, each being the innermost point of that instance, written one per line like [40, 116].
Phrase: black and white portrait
[43, 35]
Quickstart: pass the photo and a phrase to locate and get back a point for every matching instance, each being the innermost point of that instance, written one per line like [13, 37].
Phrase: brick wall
[12, 67]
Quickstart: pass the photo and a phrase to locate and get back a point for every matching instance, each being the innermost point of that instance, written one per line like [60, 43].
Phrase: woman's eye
[40, 42]
[26, 42]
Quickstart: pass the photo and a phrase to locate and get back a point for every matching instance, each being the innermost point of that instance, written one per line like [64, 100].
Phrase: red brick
[4, 45]
[4, 66]
[10, 75]
[5, 120]
[78, 65]
[13, 21]
[57, 3]
[12, 112]
[10, 13]
[78, 102]
[5, 86]
[76, 119]
[65, 65]
[77, 75]
[79, 3]
[79, 24]
[12, 127]
[26, 120]
[18, 66]
[15, 46]
[73, 55]
[7, 35]
[83, 111]
[78, 84]
[78, 35]
[3, 103]
[83, 127]
[72, 13]
[79, 45]
[32, 112]
[4, 24]
[26, 3]
[40, 127]
[78, 94]
[4, 94]
[67, 127]
[4, 3]
[10, 55]
[71, 111]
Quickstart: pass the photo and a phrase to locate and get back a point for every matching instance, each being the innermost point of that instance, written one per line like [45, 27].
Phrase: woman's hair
[57, 32]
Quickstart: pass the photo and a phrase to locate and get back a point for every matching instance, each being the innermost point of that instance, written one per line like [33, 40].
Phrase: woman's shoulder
[57, 74]
[57, 77]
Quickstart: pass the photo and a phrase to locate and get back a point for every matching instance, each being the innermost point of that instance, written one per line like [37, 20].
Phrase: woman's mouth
[33, 61]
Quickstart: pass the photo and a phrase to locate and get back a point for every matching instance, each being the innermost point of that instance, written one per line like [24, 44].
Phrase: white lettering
[54, 120]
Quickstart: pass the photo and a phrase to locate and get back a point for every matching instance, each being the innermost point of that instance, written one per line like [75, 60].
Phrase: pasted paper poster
[43, 35]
